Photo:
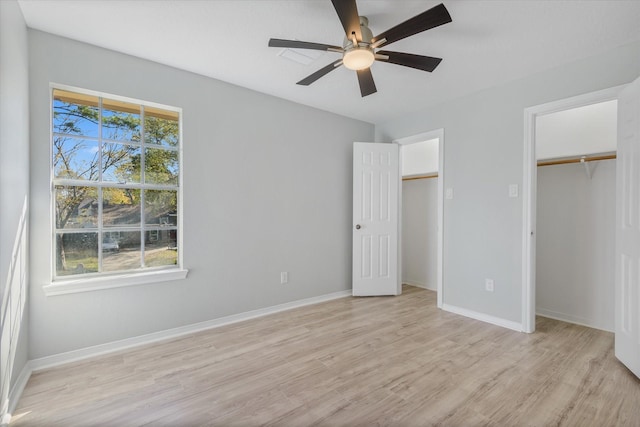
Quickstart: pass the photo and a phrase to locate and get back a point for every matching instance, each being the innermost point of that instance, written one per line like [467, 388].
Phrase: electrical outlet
[488, 285]
[513, 190]
[284, 277]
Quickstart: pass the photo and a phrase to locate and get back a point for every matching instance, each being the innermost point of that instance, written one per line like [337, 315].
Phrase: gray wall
[483, 155]
[575, 263]
[14, 189]
[420, 232]
[267, 188]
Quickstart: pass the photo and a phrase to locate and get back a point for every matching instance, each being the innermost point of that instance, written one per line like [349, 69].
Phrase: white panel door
[627, 339]
[376, 179]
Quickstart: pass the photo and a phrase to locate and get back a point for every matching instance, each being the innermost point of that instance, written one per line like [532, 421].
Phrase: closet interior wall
[419, 231]
[575, 241]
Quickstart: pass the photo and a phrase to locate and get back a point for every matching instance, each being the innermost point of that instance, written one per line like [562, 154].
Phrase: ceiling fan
[360, 48]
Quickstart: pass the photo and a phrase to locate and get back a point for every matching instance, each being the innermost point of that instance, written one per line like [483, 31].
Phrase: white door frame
[425, 136]
[529, 201]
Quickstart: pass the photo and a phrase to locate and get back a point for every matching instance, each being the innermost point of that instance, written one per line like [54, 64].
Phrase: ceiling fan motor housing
[367, 35]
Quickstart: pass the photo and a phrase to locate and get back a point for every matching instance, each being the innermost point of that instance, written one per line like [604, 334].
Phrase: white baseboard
[97, 350]
[483, 317]
[569, 318]
[15, 393]
[419, 285]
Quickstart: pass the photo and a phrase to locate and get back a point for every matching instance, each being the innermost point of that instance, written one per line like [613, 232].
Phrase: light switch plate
[513, 190]
[448, 193]
[488, 285]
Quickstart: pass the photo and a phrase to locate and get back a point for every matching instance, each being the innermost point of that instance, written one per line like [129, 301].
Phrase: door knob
[358, 227]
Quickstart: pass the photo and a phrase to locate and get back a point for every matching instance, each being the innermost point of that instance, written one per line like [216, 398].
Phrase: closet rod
[576, 160]
[426, 176]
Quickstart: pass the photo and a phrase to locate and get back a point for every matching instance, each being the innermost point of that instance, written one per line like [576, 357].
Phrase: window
[116, 185]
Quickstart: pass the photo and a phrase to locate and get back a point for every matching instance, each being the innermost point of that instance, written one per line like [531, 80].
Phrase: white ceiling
[488, 42]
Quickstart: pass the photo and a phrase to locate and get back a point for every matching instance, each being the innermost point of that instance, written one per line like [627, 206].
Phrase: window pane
[161, 248]
[121, 163]
[75, 114]
[76, 253]
[161, 166]
[160, 131]
[120, 121]
[120, 206]
[98, 223]
[75, 158]
[76, 207]
[160, 207]
[121, 251]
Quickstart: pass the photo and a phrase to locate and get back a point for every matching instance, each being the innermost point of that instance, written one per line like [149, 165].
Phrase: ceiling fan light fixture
[358, 58]
[359, 48]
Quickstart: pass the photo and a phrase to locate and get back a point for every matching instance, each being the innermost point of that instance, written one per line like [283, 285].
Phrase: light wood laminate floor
[396, 361]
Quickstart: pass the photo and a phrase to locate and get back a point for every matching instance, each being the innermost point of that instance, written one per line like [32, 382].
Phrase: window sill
[61, 287]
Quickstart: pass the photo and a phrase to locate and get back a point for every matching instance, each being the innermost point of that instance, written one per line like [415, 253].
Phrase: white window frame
[81, 283]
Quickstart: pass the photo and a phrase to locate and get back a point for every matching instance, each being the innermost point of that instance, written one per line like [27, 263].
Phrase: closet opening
[421, 162]
[575, 218]
[570, 211]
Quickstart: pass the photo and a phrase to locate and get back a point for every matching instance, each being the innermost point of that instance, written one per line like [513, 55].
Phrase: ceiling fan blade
[424, 63]
[296, 44]
[347, 11]
[434, 17]
[367, 86]
[321, 72]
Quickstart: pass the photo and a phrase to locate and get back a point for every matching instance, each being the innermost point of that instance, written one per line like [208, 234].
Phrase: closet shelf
[425, 176]
[588, 169]
[577, 159]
